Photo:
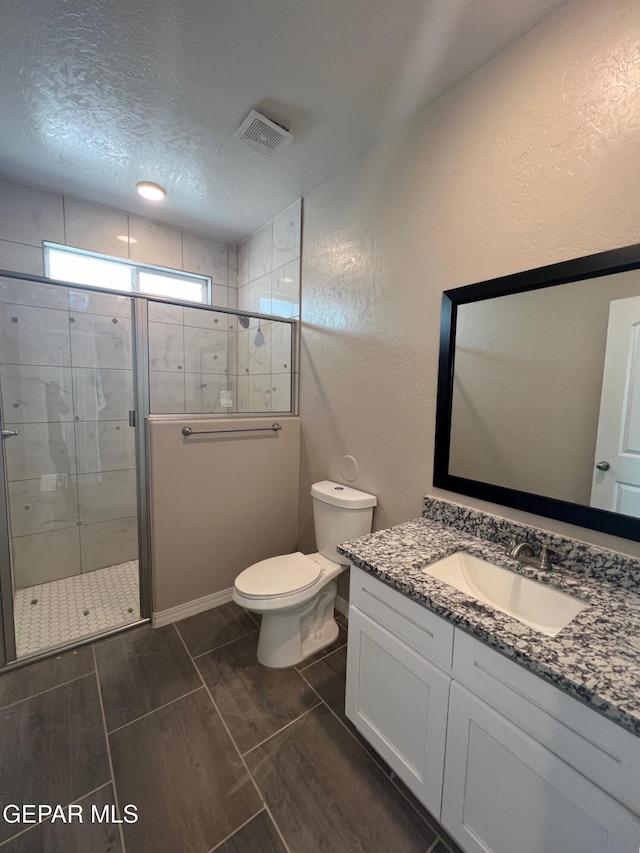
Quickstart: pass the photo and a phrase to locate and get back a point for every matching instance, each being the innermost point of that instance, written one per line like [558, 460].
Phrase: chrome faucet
[524, 553]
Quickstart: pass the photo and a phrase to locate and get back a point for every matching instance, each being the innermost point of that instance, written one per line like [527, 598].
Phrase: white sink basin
[537, 605]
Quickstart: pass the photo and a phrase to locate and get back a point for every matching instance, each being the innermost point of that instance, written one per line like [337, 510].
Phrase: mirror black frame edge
[592, 266]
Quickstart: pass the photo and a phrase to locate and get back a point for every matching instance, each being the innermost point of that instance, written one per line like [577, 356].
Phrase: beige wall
[528, 378]
[530, 160]
[218, 503]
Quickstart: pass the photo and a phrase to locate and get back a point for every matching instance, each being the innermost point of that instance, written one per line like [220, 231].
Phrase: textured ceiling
[97, 95]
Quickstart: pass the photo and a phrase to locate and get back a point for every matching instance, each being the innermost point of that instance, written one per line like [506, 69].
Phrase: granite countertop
[596, 658]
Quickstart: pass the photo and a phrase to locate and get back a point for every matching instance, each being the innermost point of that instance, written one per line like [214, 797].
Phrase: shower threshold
[60, 612]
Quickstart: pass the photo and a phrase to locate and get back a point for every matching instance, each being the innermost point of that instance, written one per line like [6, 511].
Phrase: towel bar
[187, 431]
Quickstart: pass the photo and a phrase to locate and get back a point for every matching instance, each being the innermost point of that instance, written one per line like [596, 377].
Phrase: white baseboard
[342, 606]
[199, 605]
[190, 608]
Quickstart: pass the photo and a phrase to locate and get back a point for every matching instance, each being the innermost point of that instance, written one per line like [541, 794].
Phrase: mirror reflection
[546, 392]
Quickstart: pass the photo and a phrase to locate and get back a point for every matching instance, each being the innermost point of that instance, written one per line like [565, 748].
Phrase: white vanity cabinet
[508, 762]
[506, 792]
[395, 696]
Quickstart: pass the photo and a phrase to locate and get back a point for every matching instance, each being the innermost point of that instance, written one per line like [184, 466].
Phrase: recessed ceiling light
[151, 191]
[126, 239]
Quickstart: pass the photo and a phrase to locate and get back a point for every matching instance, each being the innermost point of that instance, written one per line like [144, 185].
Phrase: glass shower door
[66, 390]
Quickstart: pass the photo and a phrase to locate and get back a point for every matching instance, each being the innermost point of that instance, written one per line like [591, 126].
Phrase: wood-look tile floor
[213, 750]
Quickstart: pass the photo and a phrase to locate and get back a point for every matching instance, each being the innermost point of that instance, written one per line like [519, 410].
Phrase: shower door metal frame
[7, 634]
[140, 339]
[139, 360]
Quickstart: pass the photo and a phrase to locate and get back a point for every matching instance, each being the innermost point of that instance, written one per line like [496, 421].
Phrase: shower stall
[80, 370]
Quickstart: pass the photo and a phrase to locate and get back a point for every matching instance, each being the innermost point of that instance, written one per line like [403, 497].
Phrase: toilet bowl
[295, 593]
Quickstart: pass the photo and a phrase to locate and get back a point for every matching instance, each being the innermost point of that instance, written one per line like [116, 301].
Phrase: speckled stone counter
[596, 658]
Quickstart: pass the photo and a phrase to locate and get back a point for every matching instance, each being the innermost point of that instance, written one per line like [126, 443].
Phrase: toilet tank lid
[338, 495]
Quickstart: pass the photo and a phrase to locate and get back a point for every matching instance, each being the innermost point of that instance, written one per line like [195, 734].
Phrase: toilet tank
[340, 513]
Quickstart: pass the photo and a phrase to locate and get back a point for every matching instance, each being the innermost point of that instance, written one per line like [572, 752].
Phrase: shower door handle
[9, 433]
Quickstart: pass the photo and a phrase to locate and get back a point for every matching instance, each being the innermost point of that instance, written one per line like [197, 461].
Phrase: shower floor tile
[56, 613]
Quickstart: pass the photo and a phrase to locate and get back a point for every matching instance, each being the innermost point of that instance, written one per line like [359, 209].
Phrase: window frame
[135, 267]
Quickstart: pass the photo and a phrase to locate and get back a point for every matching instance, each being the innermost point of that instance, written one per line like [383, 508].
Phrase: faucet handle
[510, 540]
[545, 562]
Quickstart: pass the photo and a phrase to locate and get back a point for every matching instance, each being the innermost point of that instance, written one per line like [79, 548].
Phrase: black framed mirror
[538, 403]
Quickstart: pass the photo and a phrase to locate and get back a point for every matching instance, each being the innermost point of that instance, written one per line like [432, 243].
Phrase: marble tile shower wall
[195, 356]
[268, 283]
[66, 382]
[189, 360]
[29, 215]
[258, 378]
[79, 432]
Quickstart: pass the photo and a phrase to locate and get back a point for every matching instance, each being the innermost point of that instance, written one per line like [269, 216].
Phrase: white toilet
[294, 593]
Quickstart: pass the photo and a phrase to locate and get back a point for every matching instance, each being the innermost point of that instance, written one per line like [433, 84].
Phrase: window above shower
[201, 361]
[94, 270]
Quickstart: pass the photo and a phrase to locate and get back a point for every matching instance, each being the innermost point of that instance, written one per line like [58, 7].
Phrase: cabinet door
[504, 791]
[606, 754]
[398, 701]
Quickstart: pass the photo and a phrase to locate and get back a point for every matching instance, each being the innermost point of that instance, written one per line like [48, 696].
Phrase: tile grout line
[392, 779]
[78, 474]
[106, 736]
[67, 598]
[283, 728]
[371, 757]
[235, 745]
[74, 410]
[48, 690]
[275, 825]
[445, 844]
[231, 834]
[268, 810]
[251, 616]
[324, 657]
[449, 849]
[149, 713]
[215, 648]
[42, 822]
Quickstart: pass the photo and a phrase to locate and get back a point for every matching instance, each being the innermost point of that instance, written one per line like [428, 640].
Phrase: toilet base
[289, 636]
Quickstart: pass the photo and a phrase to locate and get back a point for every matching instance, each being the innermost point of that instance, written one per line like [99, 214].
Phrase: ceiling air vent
[263, 134]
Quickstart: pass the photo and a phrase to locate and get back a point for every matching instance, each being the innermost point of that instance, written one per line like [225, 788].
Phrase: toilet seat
[278, 576]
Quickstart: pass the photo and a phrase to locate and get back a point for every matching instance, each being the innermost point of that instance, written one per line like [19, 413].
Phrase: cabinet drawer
[596, 747]
[430, 635]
